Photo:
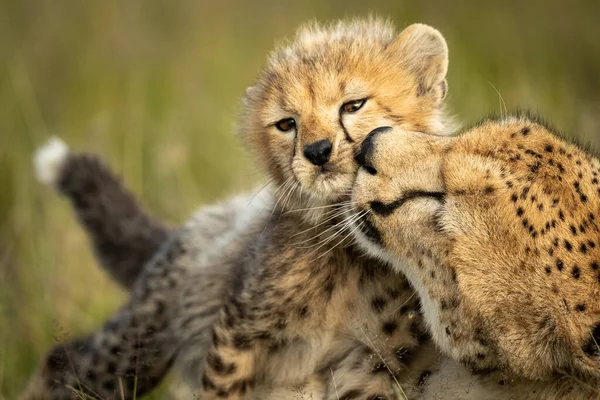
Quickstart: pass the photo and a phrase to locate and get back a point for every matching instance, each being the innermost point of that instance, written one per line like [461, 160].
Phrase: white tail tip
[49, 159]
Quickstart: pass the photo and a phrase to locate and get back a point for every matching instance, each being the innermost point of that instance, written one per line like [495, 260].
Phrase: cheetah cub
[292, 299]
[497, 230]
[308, 301]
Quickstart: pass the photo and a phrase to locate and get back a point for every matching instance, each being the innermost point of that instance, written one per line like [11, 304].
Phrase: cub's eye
[286, 125]
[353, 106]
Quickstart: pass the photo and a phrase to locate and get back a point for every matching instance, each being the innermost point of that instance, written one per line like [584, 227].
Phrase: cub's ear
[249, 94]
[424, 52]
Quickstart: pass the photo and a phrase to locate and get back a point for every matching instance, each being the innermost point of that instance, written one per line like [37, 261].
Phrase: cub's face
[510, 214]
[320, 96]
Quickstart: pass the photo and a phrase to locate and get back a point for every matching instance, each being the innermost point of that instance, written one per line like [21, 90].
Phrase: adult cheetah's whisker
[341, 241]
[347, 224]
[337, 214]
[334, 384]
[334, 226]
[319, 207]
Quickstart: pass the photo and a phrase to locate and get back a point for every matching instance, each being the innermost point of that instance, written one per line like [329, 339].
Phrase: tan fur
[506, 264]
[308, 293]
[310, 79]
[297, 303]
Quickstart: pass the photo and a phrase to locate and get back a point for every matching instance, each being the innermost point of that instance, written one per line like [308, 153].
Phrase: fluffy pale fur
[497, 230]
[286, 300]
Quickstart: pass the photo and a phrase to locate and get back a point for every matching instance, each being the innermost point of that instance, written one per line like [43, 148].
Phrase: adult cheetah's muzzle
[365, 157]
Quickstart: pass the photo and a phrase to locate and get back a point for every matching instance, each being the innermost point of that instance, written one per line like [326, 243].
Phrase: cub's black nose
[365, 157]
[319, 152]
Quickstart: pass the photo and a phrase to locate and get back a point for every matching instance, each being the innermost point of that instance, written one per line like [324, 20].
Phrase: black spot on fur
[576, 272]
[389, 327]
[219, 366]
[592, 346]
[423, 378]
[242, 342]
[405, 356]
[378, 304]
[111, 368]
[580, 307]
[329, 287]
[57, 359]
[90, 376]
[525, 131]
[108, 385]
[240, 387]
[303, 311]
[568, 246]
[378, 368]
[351, 395]
[393, 293]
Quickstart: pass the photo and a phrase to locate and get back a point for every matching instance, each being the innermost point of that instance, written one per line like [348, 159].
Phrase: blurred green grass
[154, 87]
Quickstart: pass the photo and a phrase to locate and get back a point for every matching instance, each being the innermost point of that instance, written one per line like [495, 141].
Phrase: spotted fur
[294, 302]
[497, 229]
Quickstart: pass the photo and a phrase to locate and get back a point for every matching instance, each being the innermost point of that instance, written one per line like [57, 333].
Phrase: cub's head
[320, 95]
[499, 231]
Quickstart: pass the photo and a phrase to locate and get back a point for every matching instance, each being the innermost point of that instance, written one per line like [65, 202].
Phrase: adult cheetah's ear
[423, 50]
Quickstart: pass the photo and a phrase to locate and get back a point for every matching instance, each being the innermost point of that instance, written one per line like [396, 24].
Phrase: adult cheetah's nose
[318, 152]
[365, 157]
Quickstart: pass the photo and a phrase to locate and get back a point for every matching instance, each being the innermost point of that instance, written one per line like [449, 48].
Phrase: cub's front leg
[230, 365]
[356, 377]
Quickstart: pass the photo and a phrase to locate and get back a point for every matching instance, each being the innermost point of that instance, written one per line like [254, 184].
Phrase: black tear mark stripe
[387, 209]
[341, 122]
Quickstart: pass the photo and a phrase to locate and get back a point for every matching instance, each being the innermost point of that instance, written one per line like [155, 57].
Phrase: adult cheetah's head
[510, 212]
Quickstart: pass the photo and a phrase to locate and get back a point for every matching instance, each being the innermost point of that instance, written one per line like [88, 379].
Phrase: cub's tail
[123, 235]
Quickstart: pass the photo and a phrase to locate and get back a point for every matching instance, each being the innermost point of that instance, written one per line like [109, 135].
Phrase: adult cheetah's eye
[286, 125]
[353, 106]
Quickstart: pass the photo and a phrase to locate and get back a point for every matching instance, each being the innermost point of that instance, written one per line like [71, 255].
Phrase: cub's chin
[331, 187]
